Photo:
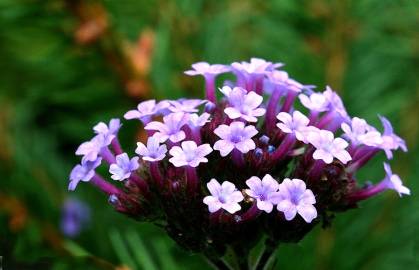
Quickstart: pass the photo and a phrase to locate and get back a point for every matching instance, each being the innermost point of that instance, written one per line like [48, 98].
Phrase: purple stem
[362, 160]
[313, 117]
[210, 87]
[258, 84]
[140, 182]
[107, 155]
[104, 186]
[117, 146]
[289, 100]
[238, 158]
[196, 134]
[325, 120]
[192, 179]
[283, 149]
[367, 193]
[155, 173]
[272, 109]
[316, 170]
[252, 213]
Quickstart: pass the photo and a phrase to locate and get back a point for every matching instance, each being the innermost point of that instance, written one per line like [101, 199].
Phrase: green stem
[267, 255]
[217, 264]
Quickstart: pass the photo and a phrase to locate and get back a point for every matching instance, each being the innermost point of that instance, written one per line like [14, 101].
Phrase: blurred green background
[65, 65]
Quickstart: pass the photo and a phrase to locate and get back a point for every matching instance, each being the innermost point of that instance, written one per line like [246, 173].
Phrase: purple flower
[123, 167]
[185, 105]
[390, 140]
[359, 132]
[255, 66]
[263, 191]
[243, 105]
[146, 109]
[224, 196]
[296, 124]
[316, 102]
[170, 128]
[189, 154]
[153, 151]
[196, 120]
[327, 147]
[335, 103]
[235, 136]
[90, 150]
[393, 181]
[108, 131]
[281, 78]
[203, 68]
[75, 217]
[83, 172]
[293, 197]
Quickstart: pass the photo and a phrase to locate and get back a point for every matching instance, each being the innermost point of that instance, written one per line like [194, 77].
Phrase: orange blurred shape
[122, 267]
[94, 23]
[137, 87]
[142, 52]
[16, 210]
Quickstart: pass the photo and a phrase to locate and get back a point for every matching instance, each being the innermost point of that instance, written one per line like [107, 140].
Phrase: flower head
[390, 141]
[153, 151]
[235, 136]
[293, 197]
[203, 68]
[147, 109]
[171, 128]
[123, 167]
[296, 124]
[189, 154]
[83, 172]
[359, 132]
[393, 181]
[327, 147]
[108, 131]
[224, 196]
[263, 191]
[243, 105]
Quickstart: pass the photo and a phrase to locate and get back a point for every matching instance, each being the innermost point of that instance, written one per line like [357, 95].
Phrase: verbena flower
[123, 167]
[224, 196]
[75, 217]
[288, 169]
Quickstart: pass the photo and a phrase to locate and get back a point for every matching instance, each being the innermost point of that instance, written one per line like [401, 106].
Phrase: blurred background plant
[68, 64]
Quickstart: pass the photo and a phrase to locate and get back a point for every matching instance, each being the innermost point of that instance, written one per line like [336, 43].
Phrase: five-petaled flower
[108, 131]
[153, 151]
[83, 172]
[293, 197]
[203, 68]
[224, 196]
[263, 191]
[147, 109]
[123, 167]
[189, 154]
[359, 132]
[243, 105]
[295, 124]
[328, 147]
[171, 128]
[235, 136]
[393, 181]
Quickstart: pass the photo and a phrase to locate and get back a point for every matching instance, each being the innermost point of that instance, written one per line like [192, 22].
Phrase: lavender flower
[224, 196]
[235, 136]
[196, 120]
[90, 149]
[243, 105]
[359, 132]
[281, 78]
[327, 147]
[255, 66]
[153, 151]
[295, 124]
[170, 128]
[263, 191]
[123, 167]
[295, 198]
[335, 103]
[390, 140]
[185, 105]
[108, 131]
[146, 109]
[315, 102]
[75, 217]
[204, 69]
[393, 181]
[83, 172]
[189, 154]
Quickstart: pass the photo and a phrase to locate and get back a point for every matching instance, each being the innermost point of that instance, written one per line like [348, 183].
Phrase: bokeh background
[67, 64]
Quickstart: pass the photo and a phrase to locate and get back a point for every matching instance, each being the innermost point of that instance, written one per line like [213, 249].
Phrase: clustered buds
[232, 170]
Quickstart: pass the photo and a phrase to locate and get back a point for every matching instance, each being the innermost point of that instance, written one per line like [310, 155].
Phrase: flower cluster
[228, 171]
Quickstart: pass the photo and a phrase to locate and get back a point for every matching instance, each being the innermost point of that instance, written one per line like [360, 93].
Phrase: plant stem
[267, 254]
